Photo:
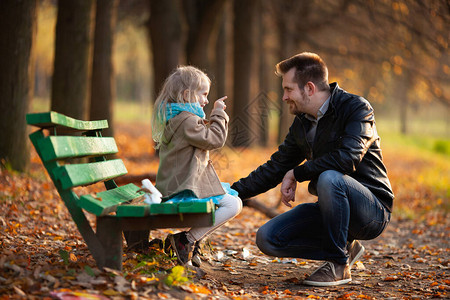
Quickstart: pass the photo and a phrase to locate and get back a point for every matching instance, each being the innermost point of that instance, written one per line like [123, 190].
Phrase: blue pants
[345, 211]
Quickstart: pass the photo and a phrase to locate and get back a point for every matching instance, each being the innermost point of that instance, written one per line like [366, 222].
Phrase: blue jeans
[345, 211]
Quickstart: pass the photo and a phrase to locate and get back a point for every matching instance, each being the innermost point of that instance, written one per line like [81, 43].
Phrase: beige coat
[184, 154]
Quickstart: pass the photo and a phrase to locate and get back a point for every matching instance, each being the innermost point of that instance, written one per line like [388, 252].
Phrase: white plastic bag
[152, 195]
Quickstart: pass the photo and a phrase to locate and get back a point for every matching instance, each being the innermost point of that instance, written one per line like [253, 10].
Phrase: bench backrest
[60, 151]
[81, 139]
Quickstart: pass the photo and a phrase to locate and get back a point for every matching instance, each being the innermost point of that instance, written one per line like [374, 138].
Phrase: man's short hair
[308, 67]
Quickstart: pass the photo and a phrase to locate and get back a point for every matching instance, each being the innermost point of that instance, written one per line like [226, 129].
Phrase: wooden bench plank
[85, 174]
[52, 119]
[198, 206]
[107, 201]
[143, 210]
[60, 147]
[167, 221]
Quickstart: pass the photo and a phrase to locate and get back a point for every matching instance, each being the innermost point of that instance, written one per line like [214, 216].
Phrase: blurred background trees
[393, 52]
[73, 58]
[103, 81]
[16, 79]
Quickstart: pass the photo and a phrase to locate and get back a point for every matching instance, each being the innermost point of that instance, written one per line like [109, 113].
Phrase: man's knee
[261, 240]
[329, 186]
[328, 179]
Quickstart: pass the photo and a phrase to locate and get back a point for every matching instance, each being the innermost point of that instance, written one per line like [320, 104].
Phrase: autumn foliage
[43, 255]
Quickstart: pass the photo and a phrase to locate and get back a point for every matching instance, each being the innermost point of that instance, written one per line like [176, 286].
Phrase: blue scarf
[173, 109]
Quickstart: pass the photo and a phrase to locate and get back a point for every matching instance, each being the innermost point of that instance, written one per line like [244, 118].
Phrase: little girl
[184, 139]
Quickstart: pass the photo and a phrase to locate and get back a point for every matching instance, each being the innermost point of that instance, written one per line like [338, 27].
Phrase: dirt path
[408, 261]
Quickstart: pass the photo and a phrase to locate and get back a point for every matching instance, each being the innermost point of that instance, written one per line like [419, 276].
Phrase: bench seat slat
[204, 206]
[61, 147]
[85, 174]
[106, 202]
[52, 119]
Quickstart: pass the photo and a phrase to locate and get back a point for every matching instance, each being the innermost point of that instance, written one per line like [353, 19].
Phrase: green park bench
[74, 153]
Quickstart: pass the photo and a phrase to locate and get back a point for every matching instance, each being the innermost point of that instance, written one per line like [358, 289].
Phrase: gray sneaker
[181, 246]
[355, 251]
[196, 260]
[329, 274]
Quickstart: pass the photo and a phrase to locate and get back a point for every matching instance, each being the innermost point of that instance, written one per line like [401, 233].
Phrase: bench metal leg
[109, 232]
[137, 240]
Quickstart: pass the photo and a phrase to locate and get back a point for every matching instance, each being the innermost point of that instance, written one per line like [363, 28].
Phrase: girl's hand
[220, 104]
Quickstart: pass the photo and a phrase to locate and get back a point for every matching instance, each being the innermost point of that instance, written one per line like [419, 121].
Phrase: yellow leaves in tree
[397, 62]
[400, 7]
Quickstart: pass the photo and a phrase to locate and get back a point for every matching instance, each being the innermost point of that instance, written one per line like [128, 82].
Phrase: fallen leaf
[391, 278]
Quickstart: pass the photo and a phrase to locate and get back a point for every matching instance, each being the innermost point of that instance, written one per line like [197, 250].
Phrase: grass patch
[442, 146]
[418, 143]
[132, 111]
[40, 105]
[419, 171]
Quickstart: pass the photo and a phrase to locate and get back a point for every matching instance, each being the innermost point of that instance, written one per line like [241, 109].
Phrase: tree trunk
[243, 133]
[165, 32]
[222, 69]
[286, 51]
[73, 58]
[103, 88]
[205, 21]
[263, 99]
[203, 18]
[17, 34]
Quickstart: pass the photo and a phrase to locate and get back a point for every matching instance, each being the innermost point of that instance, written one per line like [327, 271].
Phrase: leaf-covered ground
[42, 254]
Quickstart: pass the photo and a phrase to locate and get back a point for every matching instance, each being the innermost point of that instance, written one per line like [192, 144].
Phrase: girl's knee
[237, 205]
[233, 204]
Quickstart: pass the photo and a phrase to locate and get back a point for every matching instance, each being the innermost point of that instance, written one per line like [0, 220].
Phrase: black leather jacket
[346, 141]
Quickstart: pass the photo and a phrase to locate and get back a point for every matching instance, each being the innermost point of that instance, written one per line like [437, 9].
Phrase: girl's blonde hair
[181, 79]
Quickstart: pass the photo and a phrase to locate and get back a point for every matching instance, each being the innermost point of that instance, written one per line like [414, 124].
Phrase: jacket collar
[334, 90]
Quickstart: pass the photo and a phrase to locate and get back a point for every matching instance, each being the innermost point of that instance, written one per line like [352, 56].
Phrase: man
[334, 131]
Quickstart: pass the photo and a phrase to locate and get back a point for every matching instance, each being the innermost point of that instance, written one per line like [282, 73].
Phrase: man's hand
[288, 187]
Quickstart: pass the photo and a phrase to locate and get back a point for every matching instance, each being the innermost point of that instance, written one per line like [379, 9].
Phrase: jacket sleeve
[359, 134]
[202, 136]
[270, 174]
